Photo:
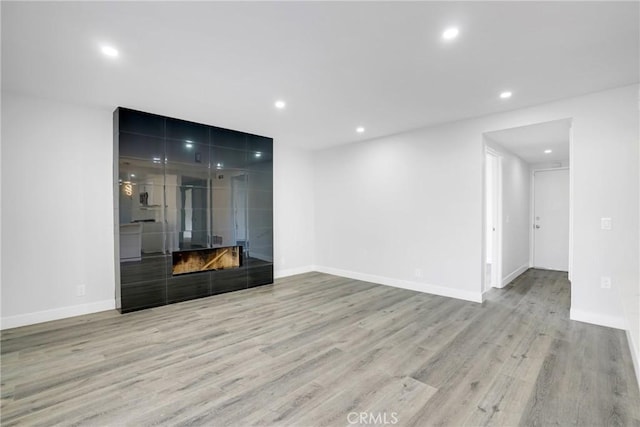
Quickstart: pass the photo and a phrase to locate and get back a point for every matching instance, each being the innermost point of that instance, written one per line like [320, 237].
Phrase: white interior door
[551, 219]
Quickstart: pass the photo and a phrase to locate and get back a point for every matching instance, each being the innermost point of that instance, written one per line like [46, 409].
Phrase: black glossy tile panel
[141, 123]
[190, 286]
[261, 144]
[189, 154]
[184, 174]
[228, 280]
[260, 199]
[184, 131]
[139, 295]
[260, 275]
[185, 183]
[260, 218]
[260, 181]
[228, 158]
[228, 138]
[148, 269]
[142, 147]
[144, 171]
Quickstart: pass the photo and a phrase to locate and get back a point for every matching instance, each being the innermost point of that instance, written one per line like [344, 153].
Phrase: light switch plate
[606, 223]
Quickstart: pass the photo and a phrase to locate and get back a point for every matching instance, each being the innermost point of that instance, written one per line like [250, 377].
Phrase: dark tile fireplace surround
[194, 196]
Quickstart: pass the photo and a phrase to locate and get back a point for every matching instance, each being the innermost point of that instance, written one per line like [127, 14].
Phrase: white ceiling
[530, 142]
[338, 65]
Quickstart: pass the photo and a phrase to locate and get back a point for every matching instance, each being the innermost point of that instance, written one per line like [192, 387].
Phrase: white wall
[293, 207]
[516, 194]
[57, 222]
[388, 206]
[405, 210]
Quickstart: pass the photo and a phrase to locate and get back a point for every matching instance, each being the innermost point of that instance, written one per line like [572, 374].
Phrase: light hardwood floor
[314, 348]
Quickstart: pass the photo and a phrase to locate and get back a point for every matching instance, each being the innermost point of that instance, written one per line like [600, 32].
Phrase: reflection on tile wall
[189, 186]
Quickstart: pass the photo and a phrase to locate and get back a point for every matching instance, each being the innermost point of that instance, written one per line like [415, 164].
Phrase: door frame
[497, 247]
[570, 200]
[532, 209]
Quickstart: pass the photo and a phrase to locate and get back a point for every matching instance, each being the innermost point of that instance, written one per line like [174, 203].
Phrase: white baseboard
[598, 319]
[514, 274]
[404, 284]
[292, 271]
[56, 314]
[634, 348]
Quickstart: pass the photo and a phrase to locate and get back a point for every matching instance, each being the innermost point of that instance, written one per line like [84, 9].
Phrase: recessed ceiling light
[258, 154]
[188, 144]
[133, 175]
[359, 129]
[450, 33]
[547, 151]
[505, 95]
[110, 51]
[280, 104]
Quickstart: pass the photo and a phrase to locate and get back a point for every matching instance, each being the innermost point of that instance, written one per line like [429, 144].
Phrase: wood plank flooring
[318, 350]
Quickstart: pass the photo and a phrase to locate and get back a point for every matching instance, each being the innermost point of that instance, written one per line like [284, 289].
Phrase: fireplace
[198, 260]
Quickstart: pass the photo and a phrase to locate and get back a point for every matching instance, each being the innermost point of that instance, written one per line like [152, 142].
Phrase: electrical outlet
[80, 290]
[605, 282]
[417, 272]
[606, 223]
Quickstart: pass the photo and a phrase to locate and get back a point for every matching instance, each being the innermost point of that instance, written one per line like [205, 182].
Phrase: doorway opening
[527, 201]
